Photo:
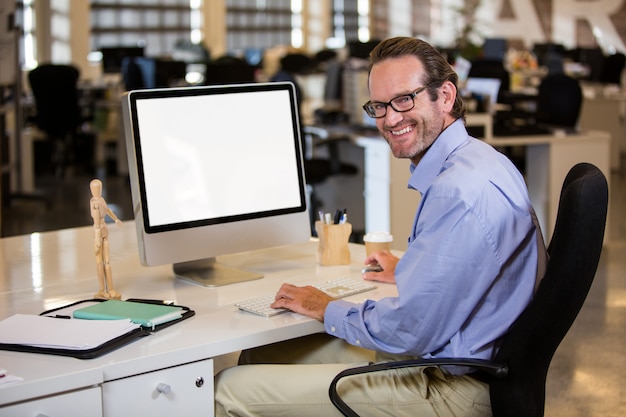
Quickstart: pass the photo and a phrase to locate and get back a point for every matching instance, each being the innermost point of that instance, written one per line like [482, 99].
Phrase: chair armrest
[498, 370]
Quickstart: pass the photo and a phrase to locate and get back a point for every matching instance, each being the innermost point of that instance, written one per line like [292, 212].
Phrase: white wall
[400, 17]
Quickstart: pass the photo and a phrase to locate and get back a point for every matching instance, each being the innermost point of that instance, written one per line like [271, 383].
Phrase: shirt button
[358, 342]
[333, 329]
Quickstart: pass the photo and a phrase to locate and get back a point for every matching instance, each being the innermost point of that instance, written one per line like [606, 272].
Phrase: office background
[588, 370]
[67, 34]
[171, 31]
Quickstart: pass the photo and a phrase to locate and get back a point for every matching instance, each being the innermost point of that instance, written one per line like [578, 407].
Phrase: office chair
[517, 374]
[292, 65]
[612, 68]
[229, 70]
[559, 100]
[593, 58]
[58, 114]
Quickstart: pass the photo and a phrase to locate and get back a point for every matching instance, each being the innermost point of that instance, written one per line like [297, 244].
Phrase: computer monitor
[138, 72]
[213, 171]
[146, 72]
[495, 48]
[254, 56]
[112, 57]
[485, 87]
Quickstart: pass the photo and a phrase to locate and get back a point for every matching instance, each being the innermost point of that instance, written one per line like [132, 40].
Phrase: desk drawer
[81, 403]
[183, 390]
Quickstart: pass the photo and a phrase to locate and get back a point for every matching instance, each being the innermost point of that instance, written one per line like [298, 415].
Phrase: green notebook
[147, 315]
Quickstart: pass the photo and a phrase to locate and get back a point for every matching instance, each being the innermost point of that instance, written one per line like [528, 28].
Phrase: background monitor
[547, 51]
[112, 57]
[254, 56]
[485, 87]
[145, 72]
[213, 171]
[495, 48]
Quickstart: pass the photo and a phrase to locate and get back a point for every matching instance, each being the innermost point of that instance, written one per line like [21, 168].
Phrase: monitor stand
[210, 273]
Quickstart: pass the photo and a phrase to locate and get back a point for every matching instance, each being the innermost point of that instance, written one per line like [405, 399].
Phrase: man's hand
[387, 261]
[308, 300]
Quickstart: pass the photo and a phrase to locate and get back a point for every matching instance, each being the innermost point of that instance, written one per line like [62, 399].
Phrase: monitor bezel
[193, 251]
[138, 95]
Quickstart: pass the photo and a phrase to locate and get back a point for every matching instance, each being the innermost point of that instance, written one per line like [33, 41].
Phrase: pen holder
[333, 243]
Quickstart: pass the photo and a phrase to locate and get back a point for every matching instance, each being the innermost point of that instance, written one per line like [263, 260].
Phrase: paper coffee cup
[375, 241]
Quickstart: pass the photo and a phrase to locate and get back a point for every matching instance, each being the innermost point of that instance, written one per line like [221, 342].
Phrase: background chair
[517, 375]
[229, 70]
[58, 113]
[612, 68]
[559, 100]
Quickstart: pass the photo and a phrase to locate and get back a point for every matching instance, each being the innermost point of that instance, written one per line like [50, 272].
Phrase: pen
[59, 316]
[337, 217]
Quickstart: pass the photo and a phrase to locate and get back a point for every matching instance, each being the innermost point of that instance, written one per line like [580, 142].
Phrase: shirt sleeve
[442, 279]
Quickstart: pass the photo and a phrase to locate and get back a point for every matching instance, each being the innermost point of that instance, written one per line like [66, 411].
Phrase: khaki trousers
[292, 378]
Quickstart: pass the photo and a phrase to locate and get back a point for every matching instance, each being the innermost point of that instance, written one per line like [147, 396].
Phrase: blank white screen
[212, 156]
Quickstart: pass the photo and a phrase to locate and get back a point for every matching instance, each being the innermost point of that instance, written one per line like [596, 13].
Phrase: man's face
[410, 133]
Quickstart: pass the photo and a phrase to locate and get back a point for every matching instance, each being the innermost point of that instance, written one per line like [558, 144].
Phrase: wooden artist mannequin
[99, 211]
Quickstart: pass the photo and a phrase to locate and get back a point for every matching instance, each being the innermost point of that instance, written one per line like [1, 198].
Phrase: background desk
[549, 158]
[390, 205]
[44, 271]
[607, 112]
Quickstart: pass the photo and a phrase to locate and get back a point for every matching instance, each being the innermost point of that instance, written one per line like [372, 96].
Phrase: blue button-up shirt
[474, 255]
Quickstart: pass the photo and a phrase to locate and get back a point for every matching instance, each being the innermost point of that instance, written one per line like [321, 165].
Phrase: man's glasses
[405, 102]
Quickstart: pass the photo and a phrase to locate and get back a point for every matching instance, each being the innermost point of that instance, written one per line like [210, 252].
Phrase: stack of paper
[49, 332]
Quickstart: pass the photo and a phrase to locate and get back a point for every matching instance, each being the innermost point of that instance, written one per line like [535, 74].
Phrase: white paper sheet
[49, 332]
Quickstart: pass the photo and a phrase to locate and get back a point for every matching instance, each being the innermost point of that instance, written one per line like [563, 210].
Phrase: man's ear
[448, 93]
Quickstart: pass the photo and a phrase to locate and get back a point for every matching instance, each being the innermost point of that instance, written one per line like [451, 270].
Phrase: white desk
[43, 271]
[549, 158]
[390, 205]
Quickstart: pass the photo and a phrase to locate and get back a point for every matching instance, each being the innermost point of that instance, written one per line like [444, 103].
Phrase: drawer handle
[199, 382]
[164, 388]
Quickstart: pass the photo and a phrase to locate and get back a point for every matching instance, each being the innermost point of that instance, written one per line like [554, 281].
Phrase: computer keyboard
[337, 288]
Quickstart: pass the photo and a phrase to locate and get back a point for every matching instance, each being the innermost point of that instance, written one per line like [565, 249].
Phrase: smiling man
[474, 256]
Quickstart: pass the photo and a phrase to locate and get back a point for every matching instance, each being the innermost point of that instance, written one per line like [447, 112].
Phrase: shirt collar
[424, 173]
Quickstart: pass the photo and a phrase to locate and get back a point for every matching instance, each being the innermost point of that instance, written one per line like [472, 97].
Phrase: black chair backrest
[612, 68]
[559, 100]
[56, 98]
[574, 255]
[229, 70]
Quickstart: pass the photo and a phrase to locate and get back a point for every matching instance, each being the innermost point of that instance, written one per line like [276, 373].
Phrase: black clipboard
[109, 345]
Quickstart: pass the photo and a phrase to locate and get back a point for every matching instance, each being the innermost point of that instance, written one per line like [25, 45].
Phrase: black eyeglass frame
[371, 111]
